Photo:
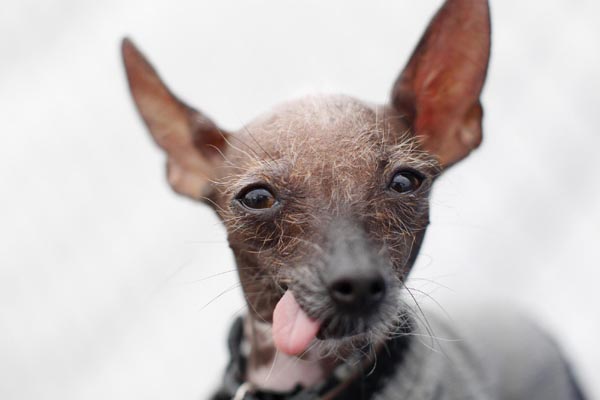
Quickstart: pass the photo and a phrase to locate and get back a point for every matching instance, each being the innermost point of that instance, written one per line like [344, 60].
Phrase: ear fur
[440, 86]
[192, 142]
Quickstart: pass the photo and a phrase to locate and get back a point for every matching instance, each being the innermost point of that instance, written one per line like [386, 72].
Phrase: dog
[326, 202]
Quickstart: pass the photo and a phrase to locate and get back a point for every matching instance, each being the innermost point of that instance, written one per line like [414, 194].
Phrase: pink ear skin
[193, 143]
[440, 86]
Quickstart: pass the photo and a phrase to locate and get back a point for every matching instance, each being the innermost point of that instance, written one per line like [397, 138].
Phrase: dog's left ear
[440, 86]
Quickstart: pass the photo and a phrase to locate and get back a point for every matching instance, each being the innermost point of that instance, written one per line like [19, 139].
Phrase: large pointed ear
[193, 143]
[440, 86]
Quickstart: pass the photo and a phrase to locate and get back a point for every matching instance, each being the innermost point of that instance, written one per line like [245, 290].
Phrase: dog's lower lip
[337, 332]
[346, 336]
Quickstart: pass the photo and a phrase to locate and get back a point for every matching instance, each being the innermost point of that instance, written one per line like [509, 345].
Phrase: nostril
[376, 289]
[343, 290]
[358, 293]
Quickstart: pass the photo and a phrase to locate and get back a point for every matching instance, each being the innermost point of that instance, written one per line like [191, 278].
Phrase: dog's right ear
[193, 143]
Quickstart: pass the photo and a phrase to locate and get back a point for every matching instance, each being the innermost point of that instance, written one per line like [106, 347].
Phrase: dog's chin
[340, 329]
[350, 332]
[349, 340]
[345, 344]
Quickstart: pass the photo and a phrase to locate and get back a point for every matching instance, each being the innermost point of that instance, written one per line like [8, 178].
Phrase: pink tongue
[293, 330]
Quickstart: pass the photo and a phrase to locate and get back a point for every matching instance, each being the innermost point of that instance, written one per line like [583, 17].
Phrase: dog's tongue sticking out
[293, 330]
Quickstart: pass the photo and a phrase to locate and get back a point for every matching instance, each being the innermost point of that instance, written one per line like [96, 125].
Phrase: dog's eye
[258, 198]
[405, 181]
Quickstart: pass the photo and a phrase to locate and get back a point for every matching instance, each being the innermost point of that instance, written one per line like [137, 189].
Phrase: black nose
[357, 292]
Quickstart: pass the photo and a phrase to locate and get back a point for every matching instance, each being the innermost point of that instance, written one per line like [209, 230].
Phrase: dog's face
[325, 199]
[319, 192]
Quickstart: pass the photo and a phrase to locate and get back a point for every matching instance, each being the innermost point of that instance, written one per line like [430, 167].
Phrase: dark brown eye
[258, 199]
[406, 181]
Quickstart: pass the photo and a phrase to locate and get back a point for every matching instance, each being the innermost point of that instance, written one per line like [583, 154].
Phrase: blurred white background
[102, 268]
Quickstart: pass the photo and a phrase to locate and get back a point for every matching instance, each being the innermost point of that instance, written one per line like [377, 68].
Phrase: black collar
[357, 386]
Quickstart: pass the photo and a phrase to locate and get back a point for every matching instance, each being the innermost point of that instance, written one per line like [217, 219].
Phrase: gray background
[103, 289]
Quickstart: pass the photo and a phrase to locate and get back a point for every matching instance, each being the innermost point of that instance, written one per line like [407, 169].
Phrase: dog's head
[325, 199]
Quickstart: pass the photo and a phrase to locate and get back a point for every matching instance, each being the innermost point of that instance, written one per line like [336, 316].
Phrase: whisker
[219, 295]
[209, 277]
[432, 299]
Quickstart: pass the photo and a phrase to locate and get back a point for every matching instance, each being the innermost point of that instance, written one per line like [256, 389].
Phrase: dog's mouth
[334, 328]
[294, 330]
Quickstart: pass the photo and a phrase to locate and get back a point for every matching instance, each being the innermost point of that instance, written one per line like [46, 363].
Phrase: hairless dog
[326, 202]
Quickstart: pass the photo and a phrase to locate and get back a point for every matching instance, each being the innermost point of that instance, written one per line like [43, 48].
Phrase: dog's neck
[268, 369]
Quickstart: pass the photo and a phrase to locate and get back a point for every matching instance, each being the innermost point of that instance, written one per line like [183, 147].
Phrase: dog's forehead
[331, 146]
[324, 127]
[315, 124]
